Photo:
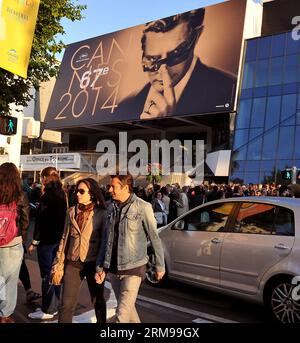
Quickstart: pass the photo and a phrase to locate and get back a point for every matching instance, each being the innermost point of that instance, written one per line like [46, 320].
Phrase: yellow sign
[17, 24]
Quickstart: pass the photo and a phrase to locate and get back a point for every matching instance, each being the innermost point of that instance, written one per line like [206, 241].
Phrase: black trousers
[73, 277]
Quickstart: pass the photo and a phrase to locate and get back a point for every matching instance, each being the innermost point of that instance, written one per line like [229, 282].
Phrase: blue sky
[111, 15]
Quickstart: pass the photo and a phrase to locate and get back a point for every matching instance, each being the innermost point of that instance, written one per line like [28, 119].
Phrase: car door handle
[216, 240]
[281, 246]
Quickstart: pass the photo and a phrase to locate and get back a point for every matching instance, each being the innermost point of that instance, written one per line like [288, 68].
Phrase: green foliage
[42, 65]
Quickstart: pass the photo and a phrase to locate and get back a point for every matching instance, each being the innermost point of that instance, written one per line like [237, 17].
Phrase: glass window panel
[284, 223]
[240, 138]
[276, 71]
[267, 166]
[251, 178]
[238, 165]
[273, 111]
[275, 90]
[282, 164]
[298, 118]
[270, 145]
[240, 153]
[251, 50]
[255, 133]
[292, 45]
[248, 77]
[291, 69]
[264, 45]
[243, 118]
[278, 45]
[297, 144]
[288, 107]
[260, 92]
[254, 149]
[237, 178]
[290, 88]
[261, 73]
[246, 93]
[289, 122]
[286, 142]
[258, 112]
[252, 166]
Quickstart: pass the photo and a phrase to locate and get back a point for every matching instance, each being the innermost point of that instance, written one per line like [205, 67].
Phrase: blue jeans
[126, 288]
[10, 263]
[50, 293]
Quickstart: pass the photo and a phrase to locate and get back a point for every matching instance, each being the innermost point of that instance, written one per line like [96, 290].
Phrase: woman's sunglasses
[81, 191]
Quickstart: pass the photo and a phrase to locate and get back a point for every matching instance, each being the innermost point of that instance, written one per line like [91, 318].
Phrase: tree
[43, 64]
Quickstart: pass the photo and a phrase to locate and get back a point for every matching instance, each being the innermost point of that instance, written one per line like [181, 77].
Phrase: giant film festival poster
[181, 65]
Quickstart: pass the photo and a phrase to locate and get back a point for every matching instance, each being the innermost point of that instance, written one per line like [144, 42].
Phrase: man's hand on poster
[160, 104]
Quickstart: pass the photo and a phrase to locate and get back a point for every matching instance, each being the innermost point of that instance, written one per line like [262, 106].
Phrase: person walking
[14, 222]
[124, 251]
[49, 226]
[80, 245]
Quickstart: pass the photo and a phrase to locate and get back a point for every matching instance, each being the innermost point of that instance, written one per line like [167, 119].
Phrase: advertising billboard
[180, 65]
[17, 25]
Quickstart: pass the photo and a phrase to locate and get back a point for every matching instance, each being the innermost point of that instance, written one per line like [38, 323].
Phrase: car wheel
[280, 303]
[150, 271]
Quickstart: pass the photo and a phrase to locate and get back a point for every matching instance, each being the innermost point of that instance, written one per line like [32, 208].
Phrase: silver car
[247, 247]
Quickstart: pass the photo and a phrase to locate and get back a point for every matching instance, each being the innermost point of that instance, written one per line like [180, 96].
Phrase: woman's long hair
[95, 192]
[10, 183]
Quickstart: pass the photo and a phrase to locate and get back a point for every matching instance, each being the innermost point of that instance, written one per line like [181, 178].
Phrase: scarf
[83, 214]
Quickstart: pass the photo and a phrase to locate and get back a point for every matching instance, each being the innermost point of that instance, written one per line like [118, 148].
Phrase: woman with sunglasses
[83, 233]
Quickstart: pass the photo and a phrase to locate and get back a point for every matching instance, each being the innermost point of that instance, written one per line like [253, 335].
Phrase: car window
[264, 219]
[284, 223]
[210, 218]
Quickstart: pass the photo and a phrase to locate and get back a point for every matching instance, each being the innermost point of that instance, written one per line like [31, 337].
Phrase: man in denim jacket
[124, 251]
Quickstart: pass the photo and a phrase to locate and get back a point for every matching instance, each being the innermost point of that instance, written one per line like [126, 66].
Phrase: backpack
[8, 225]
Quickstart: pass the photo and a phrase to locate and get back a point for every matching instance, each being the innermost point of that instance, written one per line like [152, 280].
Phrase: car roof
[292, 203]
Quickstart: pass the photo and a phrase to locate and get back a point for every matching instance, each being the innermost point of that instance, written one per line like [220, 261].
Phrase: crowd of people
[92, 232]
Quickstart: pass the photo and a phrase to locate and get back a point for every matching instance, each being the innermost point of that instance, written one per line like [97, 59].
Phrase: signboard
[17, 24]
[59, 161]
[180, 65]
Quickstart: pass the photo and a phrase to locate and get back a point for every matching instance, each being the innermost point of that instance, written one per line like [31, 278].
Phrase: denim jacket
[137, 222]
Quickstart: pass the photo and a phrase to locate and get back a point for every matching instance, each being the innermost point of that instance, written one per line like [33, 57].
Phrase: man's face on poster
[174, 48]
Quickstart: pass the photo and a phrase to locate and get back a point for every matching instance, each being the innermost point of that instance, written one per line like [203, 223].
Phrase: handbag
[159, 217]
[57, 276]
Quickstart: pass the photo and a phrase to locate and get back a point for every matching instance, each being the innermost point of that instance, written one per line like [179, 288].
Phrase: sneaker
[32, 296]
[39, 314]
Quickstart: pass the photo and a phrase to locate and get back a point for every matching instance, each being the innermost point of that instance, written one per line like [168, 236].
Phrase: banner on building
[17, 25]
[180, 65]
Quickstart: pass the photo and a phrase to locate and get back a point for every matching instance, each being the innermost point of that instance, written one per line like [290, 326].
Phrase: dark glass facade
[267, 132]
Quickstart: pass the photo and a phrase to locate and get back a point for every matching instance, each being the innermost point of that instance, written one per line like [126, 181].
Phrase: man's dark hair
[194, 18]
[125, 180]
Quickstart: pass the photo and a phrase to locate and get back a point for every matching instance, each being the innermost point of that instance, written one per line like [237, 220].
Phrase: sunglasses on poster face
[82, 191]
[174, 57]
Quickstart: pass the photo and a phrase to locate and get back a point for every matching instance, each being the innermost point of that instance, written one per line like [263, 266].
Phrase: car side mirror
[178, 225]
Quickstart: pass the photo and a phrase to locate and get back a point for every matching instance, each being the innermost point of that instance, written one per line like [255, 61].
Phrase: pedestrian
[49, 226]
[25, 279]
[14, 222]
[80, 245]
[130, 222]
